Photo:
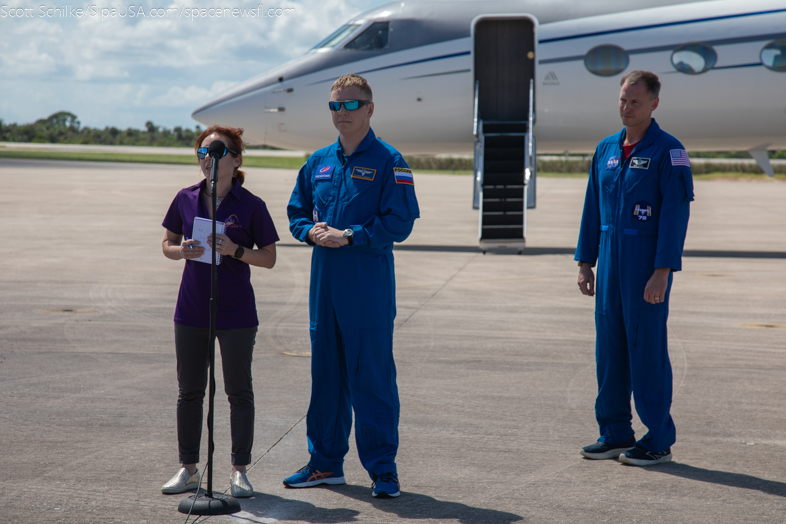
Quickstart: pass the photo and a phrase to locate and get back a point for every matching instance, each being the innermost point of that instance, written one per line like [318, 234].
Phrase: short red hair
[234, 141]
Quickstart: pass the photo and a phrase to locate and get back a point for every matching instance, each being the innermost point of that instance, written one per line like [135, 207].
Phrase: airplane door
[503, 64]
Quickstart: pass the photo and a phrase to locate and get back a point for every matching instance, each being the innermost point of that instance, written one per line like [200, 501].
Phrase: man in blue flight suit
[352, 200]
[634, 224]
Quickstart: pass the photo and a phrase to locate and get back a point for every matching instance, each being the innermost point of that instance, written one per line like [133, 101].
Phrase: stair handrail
[531, 116]
[475, 121]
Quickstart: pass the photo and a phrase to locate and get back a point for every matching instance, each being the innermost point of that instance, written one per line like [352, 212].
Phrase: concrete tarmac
[495, 357]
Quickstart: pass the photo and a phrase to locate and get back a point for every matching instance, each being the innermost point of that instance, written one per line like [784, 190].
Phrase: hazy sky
[115, 70]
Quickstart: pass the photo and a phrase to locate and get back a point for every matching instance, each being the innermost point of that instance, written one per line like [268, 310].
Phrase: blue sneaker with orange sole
[307, 476]
[385, 486]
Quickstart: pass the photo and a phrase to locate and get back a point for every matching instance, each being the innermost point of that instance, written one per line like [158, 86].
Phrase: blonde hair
[353, 80]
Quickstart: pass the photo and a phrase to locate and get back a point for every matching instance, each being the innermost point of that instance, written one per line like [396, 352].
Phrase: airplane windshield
[374, 38]
[337, 36]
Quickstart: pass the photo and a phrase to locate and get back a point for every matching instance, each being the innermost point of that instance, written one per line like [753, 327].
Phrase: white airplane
[721, 63]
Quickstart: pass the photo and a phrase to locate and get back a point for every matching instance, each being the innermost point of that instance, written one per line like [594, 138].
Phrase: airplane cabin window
[340, 34]
[606, 60]
[773, 56]
[376, 37]
[694, 59]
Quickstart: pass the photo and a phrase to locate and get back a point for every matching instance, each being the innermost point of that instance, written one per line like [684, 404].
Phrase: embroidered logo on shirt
[642, 211]
[324, 172]
[232, 221]
[639, 163]
[364, 173]
[315, 214]
[679, 157]
[613, 162]
[404, 176]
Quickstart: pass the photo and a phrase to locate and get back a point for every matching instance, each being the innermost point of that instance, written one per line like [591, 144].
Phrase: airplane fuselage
[721, 63]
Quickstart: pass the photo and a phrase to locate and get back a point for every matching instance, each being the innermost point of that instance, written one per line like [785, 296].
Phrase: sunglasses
[349, 105]
[202, 152]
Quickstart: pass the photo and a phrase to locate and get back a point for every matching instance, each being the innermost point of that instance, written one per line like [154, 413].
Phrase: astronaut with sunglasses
[352, 201]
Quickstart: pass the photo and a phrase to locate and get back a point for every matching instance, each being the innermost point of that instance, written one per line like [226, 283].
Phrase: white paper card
[203, 229]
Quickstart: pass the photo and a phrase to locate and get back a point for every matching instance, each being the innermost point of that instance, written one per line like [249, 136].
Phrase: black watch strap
[239, 252]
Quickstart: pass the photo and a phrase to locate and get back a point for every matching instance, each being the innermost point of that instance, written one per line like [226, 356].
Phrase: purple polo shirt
[247, 222]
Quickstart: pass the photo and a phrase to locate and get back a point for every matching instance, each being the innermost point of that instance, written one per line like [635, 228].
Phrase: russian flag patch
[404, 176]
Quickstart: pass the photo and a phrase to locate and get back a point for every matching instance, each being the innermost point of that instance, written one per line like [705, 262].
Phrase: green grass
[736, 176]
[296, 162]
[248, 161]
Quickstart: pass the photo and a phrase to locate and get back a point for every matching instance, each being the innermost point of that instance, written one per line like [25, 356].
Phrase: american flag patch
[404, 176]
[679, 157]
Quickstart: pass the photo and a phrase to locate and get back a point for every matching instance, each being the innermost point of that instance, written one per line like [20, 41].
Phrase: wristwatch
[349, 234]
[239, 252]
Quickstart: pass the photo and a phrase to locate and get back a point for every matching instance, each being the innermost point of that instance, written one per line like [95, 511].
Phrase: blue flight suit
[352, 299]
[635, 219]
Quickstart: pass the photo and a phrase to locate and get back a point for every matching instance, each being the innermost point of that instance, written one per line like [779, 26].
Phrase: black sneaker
[605, 450]
[640, 456]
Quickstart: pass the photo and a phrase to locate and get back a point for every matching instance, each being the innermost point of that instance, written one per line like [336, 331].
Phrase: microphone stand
[209, 503]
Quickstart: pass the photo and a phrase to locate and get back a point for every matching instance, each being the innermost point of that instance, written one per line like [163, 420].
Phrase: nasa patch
[642, 211]
[639, 163]
[324, 172]
[364, 173]
[613, 162]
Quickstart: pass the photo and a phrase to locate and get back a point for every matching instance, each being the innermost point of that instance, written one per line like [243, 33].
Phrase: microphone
[216, 149]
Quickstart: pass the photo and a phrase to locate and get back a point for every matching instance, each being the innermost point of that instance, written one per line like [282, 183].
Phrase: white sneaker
[241, 487]
[181, 482]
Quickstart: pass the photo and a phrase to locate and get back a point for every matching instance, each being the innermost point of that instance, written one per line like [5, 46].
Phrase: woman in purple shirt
[246, 223]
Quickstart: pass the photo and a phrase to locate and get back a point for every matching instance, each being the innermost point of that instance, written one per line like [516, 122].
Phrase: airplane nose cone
[246, 111]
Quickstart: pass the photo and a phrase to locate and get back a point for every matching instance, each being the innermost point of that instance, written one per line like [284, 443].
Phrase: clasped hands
[323, 235]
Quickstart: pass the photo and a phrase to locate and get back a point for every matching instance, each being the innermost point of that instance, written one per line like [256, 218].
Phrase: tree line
[64, 128]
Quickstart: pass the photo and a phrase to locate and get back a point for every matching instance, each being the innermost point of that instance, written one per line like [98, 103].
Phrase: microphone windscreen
[216, 149]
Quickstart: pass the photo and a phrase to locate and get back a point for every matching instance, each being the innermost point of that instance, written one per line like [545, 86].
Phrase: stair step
[503, 179]
[504, 153]
[503, 166]
[511, 204]
[503, 191]
[513, 234]
[504, 127]
[504, 141]
[514, 218]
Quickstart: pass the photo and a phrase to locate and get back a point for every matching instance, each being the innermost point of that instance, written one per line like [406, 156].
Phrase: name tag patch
[613, 162]
[639, 163]
[642, 211]
[364, 173]
[324, 172]
[404, 176]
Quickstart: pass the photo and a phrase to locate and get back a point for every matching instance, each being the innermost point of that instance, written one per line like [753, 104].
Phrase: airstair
[505, 164]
